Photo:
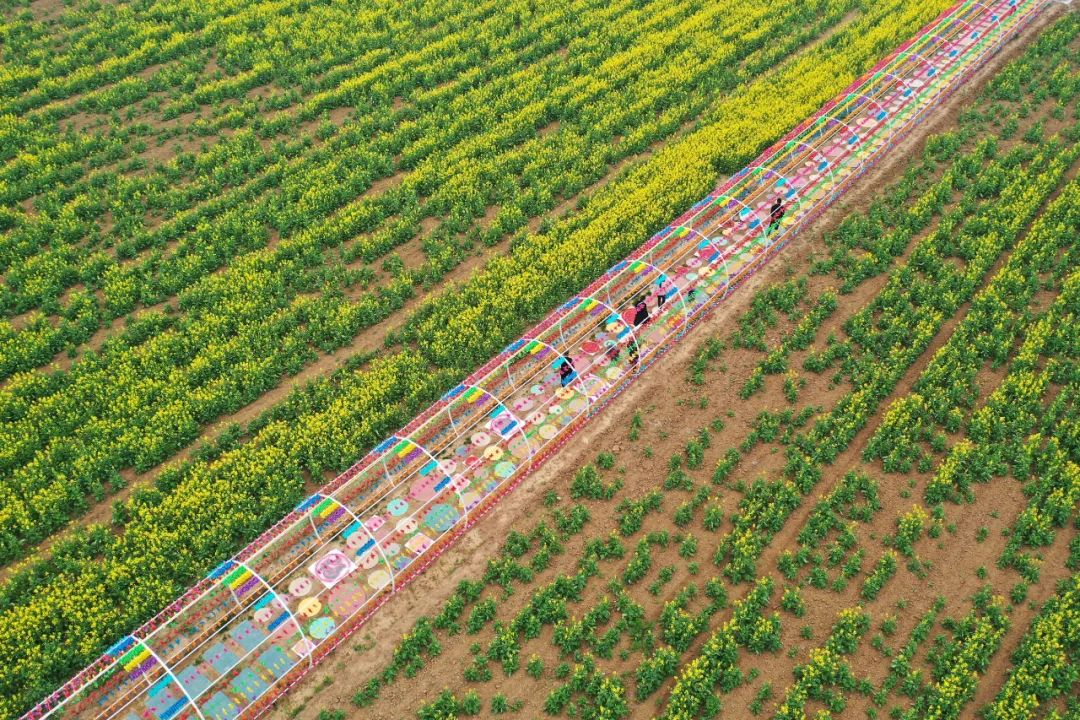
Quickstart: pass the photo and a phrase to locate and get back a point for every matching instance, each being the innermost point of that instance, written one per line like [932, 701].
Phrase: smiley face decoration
[332, 567]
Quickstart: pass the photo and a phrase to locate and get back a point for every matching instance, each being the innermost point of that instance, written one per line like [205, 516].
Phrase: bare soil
[671, 411]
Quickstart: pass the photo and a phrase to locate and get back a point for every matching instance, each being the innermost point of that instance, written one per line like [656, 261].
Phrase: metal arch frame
[188, 651]
[334, 537]
[435, 460]
[121, 707]
[615, 312]
[798, 196]
[912, 53]
[942, 21]
[764, 238]
[883, 71]
[610, 277]
[393, 440]
[923, 58]
[839, 108]
[383, 495]
[686, 310]
[382, 554]
[395, 484]
[564, 310]
[898, 78]
[920, 99]
[977, 35]
[984, 9]
[699, 234]
[611, 309]
[989, 10]
[723, 252]
[964, 22]
[884, 126]
[277, 596]
[723, 268]
[828, 165]
[937, 89]
[872, 101]
[667, 278]
[521, 425]
[548, 345]
[138, 693]
[858, 139]
[934, 33]
[358, 521]
[708, 241]
[1013, 11]
[742, 173]
[588, 401]
[116, 661]
[747, 208]
[175, 679]
[371, 536]
[299, 521]
[378, 458]
[939, 40]
[412, 515]
[900, 115]
[968, 25]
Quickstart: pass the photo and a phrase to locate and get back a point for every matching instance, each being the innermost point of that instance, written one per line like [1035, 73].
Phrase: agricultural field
[856, 498]
[241, 243]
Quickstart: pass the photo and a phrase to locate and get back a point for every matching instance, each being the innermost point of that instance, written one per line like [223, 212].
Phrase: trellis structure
[241, 637]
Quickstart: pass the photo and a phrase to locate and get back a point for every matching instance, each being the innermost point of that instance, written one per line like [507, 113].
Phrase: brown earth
[671, 410]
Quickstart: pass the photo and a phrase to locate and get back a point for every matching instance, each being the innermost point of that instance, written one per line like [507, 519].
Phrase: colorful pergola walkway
[242, 636]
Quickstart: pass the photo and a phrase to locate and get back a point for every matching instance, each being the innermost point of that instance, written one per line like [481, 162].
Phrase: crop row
[975, 636]
[1047, 664]
[328, 435]
[888, 334]
[184, 375]
[988, 333]
[354, 397]
[180, 371]
[679, 628]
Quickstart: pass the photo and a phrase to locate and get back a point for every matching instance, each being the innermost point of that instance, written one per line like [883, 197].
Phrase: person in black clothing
[633, 351]
[776, 212]
[613, 352]
[641, 312]
[566, 371]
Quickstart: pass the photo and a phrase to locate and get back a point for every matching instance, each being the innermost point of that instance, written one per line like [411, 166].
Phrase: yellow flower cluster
[1047, 665]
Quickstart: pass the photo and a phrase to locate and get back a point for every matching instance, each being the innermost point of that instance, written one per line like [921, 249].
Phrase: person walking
[776, 212]
[566, 371]
[641, 311]
[613, 352]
